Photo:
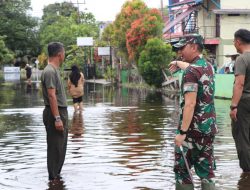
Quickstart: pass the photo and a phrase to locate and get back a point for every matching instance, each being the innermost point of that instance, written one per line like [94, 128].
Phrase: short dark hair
[54, 48]
[243, 35]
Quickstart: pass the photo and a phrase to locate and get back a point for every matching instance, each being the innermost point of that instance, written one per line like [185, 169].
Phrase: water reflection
[122, 140]
[56, 185]
[12, 77]
[28, 88]
[77, 126]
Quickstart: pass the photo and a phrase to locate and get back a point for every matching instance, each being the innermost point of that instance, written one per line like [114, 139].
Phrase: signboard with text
[85, 41]
[11, 69]
[103, 51]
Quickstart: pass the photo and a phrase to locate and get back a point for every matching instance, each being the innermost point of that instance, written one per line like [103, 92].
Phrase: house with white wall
[215, 20]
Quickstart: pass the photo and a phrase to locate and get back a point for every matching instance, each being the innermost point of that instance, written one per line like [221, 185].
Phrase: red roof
[213, 41]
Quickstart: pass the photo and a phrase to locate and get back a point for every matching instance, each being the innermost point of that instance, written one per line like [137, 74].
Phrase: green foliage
[42, 58]
[131, 11]
[53, 10]
[149, 26]
[18, 27]
[75, 56]
[166, 11]
[98, 73]
[66, 30]
[134, 25]
[110, 74]
[87, 18]
[108, 35]
[65, 27]
[5, 54]
[153, 59]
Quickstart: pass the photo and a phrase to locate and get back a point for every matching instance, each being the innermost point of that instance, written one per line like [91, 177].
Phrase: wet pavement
[122, 140]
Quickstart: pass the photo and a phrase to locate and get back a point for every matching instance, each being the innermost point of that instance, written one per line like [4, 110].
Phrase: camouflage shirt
[199, 77]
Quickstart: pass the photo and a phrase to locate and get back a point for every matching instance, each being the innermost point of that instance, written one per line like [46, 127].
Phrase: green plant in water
[110, 74]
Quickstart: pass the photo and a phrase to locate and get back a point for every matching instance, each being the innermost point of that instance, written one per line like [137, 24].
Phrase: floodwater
[122, 140]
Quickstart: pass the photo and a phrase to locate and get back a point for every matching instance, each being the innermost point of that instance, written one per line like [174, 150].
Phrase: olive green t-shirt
[51, 79]
[242, 67]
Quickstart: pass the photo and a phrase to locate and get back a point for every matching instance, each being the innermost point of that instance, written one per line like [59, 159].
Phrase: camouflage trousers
[199, 153]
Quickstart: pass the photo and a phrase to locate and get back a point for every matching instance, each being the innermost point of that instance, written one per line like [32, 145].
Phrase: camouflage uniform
[198, 145]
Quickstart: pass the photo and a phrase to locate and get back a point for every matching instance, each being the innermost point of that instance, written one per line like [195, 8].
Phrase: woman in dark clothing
[28, 72]
[75, 87]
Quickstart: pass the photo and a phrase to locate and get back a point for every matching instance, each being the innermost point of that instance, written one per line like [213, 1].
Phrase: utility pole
[110, 55]
[78, 8]
[162, 9]
[79, 22]
[78, 11]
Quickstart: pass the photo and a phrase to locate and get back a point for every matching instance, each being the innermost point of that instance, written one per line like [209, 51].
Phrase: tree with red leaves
[147, 27]
[130, 12]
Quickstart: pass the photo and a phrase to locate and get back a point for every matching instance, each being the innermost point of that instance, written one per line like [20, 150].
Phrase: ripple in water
[110, 146]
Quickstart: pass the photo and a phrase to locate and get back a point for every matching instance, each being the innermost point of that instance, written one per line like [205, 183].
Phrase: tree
[53, 10]
[149, 26]
[75, 56]
[5, 54]
[153, 59]
[131, 11]
[134, 25]
[108, 35]
[18, 27]
[66, 28]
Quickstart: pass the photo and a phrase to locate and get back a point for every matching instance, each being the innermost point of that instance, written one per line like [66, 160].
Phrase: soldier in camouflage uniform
[197, 126]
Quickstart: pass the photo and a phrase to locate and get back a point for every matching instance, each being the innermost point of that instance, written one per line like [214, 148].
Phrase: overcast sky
[104, 10]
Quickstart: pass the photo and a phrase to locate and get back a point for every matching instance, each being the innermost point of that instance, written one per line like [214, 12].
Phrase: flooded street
[122, 140]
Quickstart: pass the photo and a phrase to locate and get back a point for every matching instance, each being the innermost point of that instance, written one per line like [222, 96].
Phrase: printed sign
[102, 51]
[11, 69]
[85, 41]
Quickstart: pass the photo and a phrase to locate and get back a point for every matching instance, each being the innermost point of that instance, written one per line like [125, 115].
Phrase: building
[102, 25]
[215, 20]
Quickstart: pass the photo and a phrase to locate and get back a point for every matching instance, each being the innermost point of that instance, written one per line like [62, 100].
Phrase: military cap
[189, 39]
